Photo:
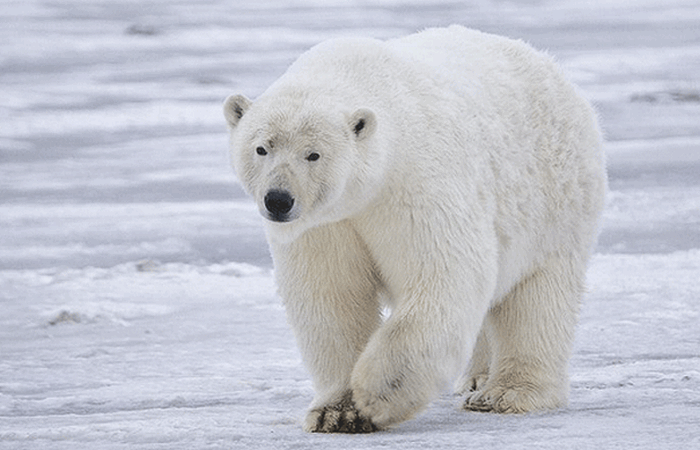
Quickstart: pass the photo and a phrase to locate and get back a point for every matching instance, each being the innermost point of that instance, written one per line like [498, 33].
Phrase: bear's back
[434, 63]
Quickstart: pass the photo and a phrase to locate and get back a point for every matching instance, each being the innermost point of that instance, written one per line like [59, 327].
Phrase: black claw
[320, 420]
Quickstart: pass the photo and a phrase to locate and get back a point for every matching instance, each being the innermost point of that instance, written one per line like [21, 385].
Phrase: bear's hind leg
[531, 336]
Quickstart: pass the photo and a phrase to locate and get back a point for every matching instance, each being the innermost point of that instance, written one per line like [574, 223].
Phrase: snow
[138, 308]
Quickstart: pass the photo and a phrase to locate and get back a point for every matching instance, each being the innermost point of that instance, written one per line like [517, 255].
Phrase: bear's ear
[234, 108]
[363, 122]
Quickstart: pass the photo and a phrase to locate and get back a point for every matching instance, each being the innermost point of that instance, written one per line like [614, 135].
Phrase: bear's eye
[313, 156]
[261, 151]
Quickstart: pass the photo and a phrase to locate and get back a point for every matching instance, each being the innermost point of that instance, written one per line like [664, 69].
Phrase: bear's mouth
[278, 218]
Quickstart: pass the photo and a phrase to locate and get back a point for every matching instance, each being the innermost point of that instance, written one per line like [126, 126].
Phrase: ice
[138, 308]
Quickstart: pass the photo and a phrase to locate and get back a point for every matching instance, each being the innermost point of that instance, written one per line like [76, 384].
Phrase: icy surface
[137, 307]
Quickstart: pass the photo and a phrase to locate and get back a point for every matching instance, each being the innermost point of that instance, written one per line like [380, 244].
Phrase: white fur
[460, 181]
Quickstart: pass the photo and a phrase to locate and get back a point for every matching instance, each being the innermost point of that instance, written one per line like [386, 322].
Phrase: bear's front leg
[330, 286]
[412, 358]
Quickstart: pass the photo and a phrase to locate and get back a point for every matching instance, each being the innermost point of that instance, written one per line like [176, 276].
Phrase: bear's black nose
[279, 203]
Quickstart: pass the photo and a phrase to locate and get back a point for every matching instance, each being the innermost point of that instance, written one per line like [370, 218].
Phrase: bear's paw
[341, 417]
[513, 400]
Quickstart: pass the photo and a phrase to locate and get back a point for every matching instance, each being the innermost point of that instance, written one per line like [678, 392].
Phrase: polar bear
[452, 176]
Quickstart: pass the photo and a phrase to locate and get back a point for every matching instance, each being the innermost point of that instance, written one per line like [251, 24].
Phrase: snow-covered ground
[137, 307]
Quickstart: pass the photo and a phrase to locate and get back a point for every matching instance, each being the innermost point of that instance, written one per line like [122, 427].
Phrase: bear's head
[303, 160]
